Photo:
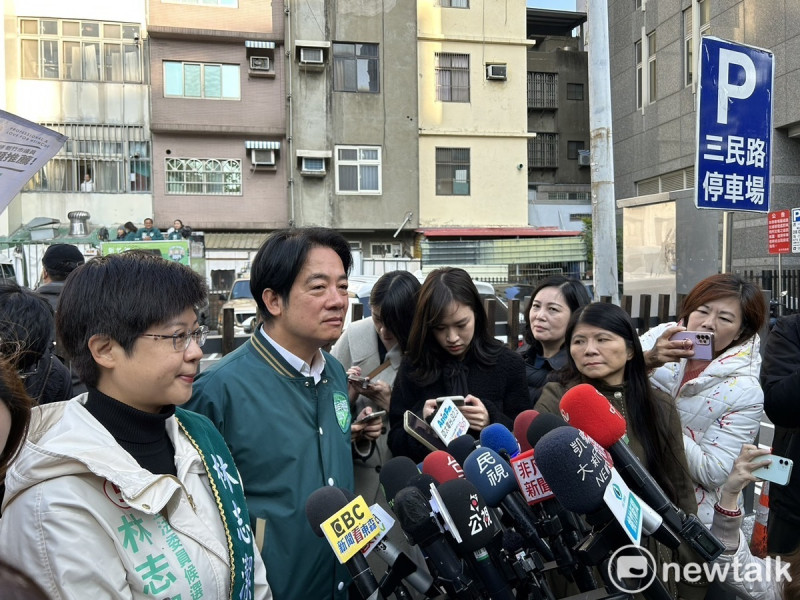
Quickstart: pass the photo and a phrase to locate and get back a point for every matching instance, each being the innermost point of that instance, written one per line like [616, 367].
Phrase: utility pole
[604, 227]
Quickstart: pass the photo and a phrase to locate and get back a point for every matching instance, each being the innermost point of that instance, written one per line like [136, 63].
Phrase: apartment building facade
[218, 113]
[559, 178]
[353, 122]
[80, 69]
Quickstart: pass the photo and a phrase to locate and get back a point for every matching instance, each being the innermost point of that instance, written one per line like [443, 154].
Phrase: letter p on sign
[730, 91]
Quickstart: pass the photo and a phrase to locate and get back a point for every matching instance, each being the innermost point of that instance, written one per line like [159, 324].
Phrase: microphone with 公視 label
[588, 410]
[475, 529]
[348, 527]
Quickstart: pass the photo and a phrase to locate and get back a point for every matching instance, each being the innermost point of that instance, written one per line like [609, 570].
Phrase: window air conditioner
[311, 56]
[259, 63]
[262, 158]
[584, 158]
[312, 165]
[496, 72]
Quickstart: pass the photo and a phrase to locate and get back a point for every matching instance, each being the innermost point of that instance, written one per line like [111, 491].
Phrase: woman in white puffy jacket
[758, 578]
[720, 401]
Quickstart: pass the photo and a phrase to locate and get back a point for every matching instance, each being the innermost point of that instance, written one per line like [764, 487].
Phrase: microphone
[321, 505]
[492, 477]
[588, 410]
[442, 466]
[521, 424]
[497, 437]
[423, 482]
[475, 527]
[400, 562]
[395, 474]
[421, 527]
[541, 425]
[460, 447]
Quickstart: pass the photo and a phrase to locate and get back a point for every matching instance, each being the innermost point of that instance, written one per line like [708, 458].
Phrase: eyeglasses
[181, 341]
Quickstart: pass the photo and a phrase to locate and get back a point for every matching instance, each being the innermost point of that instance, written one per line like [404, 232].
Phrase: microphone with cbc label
[400, 562]
[325, 503]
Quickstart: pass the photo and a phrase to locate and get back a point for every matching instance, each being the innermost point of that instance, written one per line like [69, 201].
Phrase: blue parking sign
[734, 126]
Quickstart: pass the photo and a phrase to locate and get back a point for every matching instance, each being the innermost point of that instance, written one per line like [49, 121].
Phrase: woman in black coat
[451, 353]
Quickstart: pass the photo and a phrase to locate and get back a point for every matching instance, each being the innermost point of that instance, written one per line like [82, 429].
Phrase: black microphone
[421, 527]
[395, 474]
[477, 529]
[399, 561]
[542, 424]
[461, 447]
[321, 505]
[495, 482]
[590, 411]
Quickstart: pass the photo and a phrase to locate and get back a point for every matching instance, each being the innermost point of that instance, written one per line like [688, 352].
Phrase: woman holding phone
[452, 353]
[719, 400]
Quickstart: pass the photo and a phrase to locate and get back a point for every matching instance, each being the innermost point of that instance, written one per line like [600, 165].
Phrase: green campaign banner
[177, 250]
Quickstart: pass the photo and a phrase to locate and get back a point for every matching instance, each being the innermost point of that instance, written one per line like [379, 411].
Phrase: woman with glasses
[118, 493]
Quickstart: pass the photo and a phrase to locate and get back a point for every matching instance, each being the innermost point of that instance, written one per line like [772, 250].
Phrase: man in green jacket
[281, 404]
[148, 232]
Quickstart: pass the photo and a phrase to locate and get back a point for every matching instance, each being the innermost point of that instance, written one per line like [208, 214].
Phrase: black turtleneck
[142, 434]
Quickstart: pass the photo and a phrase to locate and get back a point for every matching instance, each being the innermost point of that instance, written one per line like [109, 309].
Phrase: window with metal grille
[574, 91]
[355, 67]
[203, 177]
[543, 151]
[452, 171]
[542, 90]
[358, 170]
[201, 80]
[454, 3]
[80, 50]
[117, 159]
[452, 77]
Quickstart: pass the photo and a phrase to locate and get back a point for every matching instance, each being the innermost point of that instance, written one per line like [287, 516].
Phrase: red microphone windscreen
[521, 425]
[591, 412]
[442, 466]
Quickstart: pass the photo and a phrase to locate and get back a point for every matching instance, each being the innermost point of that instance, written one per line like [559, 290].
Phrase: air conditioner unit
[311, 56]
[584, 158]
[259, 63]
[496, 72]
[312, 165]
[262, 158]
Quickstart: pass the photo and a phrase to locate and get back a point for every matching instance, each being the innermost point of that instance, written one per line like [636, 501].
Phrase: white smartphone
[371, 416]
[777, 472]
[422, 432]
[457, 400]
[702, 343]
